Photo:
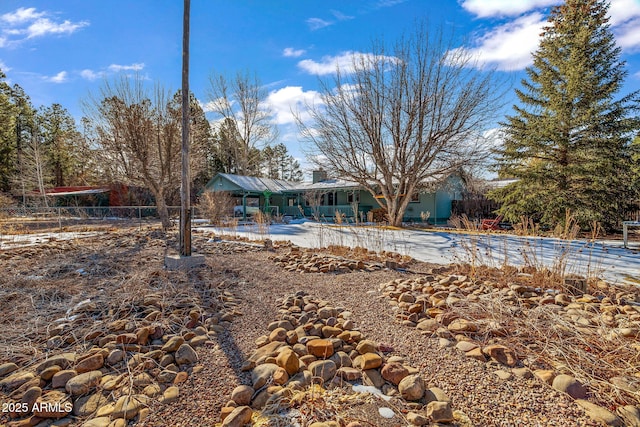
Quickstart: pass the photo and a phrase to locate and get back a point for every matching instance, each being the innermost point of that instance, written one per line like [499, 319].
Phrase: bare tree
[138, 136]
[34, 174]
[313, 199]
[240, 104]
[399, 121]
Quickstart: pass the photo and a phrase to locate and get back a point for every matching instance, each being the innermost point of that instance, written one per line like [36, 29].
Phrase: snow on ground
[10, 241]
[606, 259]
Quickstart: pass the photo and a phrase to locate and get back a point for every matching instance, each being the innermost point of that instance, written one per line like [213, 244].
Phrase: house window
[291, 201]
[415, 198]
[353, 197]
[331, 199]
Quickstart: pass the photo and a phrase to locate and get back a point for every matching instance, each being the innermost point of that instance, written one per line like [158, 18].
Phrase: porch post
[244, 206]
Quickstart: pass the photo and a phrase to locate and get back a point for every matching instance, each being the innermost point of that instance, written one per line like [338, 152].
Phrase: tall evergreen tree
[25, 127]
[7, 135]
[568, 143]
[277, 163]
[61, 140]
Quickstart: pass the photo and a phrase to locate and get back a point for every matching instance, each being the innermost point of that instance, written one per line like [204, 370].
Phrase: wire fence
[59, 216]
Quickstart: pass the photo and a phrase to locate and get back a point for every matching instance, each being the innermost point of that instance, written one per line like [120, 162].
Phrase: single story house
[323, 197]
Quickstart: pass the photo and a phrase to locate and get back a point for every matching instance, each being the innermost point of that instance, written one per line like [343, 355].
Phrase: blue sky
[62, 50]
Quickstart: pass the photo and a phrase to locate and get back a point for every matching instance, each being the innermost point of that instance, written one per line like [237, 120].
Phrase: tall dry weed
[549, 260]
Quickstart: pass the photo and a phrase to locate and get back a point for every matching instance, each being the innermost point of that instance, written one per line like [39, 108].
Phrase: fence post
[140, 217]
[60, 219]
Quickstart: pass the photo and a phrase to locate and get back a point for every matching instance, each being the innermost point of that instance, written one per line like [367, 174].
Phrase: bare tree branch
[404, 119]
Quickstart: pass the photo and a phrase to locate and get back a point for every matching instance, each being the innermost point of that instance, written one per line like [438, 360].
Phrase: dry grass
[547, 338]
[479, 249]
[78, 289]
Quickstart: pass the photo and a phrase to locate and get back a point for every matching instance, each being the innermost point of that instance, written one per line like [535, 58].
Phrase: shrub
[216, 206]
[379, 215]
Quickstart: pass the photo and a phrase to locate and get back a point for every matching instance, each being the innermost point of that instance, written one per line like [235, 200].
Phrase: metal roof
[73, 191]
[327, 184]
[258, 185]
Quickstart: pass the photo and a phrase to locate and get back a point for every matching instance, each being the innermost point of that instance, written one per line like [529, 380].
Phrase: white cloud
[21, 15]
[116, 68]
[388, 3]
[91, 75]
[217, 105]
[61, 77]
[317, 23]
[622, 11]
[625, 20]
[291, 100]
[628, 35]
[27, 23]
[4, 67]
[487, 8]
[44, 26]
[341, 16]
[509, 46]
[343, 62]
[293, 53]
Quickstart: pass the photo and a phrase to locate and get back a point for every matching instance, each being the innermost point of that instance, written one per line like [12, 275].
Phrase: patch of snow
[26, 240]
[371, 390]
[606, 259]
[386, 412]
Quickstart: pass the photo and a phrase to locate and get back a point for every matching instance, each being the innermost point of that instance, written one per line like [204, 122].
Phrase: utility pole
[185, 188]
[185, 259]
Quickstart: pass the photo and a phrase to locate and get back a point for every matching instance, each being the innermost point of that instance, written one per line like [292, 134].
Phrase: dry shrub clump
[216, 206]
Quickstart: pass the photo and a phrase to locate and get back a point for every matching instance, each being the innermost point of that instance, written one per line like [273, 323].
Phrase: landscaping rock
[170, 395]
[30, 396]
[417, 419]
[7, 368]
[238, 417]
[185, 355]
[370, 361]
[394, 372]
[172, 344]
[501, 354]
[83, 383]
[325, 369]
[242, 395]
[630, 415]
[571, 386]
[440, 412]
[87, 405]
[15, 380]
[60, 379]
[288, 360]
[262, 373]
[322, 348]
[91, 363]
[127, 407]
[598, 413]
[411, 387]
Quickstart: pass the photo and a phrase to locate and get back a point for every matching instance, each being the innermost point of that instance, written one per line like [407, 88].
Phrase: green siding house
[324, 197]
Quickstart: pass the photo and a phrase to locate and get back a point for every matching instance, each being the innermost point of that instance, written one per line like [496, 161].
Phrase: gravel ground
[474, 389]
[38, 284]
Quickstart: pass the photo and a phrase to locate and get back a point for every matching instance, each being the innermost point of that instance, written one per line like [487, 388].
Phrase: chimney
[319, 175]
